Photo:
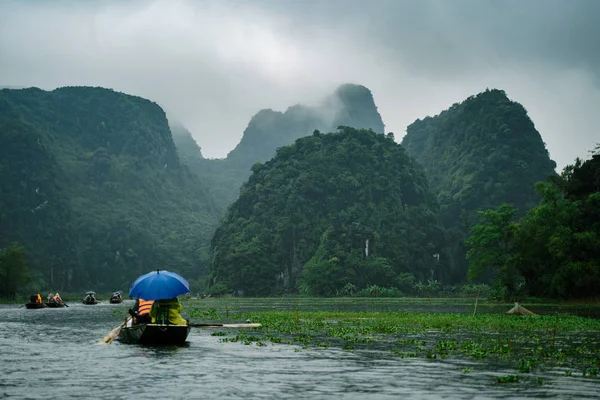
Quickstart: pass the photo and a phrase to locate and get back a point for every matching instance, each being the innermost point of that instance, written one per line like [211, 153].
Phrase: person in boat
[90, 298]
[36, 298]
[174, 309]
[50, 298]
[115, 297]
[57, 298]
[141, 311]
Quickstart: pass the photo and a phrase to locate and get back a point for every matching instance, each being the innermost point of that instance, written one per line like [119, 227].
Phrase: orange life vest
[38, 298]
[144, 306]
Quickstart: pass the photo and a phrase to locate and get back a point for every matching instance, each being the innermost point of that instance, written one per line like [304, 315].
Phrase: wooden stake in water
[476, 299]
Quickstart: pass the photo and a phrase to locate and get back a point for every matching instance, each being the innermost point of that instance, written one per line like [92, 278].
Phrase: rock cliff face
[477, 155]
[92, 185]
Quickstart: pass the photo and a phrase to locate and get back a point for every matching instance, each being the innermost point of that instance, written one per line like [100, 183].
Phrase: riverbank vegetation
[554, 250]
[14, 271]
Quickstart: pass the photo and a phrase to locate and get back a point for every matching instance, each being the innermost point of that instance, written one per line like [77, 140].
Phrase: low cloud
[213, 64]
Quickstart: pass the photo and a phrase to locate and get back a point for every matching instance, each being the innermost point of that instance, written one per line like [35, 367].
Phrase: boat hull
[115, 301]
[155, 334]
[35, 305]
[89, 303]
[55, 305]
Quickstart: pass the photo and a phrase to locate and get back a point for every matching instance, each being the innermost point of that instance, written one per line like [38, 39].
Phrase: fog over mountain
[214, 64]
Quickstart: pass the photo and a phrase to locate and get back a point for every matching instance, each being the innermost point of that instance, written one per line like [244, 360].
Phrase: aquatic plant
[525, 344]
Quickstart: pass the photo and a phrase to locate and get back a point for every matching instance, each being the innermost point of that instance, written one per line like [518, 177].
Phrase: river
[58, 354]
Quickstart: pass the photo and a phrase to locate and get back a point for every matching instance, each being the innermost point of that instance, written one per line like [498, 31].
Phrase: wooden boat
[35, 305]
[54, 305]
[115, 301]
[88, 302]
[155, 334]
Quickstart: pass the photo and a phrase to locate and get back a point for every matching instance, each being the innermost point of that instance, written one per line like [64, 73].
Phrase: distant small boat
[89, 302]
[52, 304]
[35, 305]
[116, 297]
[155, 334]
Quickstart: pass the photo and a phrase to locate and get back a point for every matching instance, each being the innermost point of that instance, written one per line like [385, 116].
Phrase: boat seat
[162, 313]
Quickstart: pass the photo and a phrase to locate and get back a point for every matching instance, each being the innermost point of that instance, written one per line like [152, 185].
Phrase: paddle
[113, 334]
[225, 325]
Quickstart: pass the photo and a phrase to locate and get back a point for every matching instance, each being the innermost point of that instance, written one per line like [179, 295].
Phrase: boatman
[173, 308]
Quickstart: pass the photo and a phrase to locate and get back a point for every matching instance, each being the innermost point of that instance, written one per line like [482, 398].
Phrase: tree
[13, 270]
[492, 248]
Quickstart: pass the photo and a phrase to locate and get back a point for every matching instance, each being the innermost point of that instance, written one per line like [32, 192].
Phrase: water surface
[56, 353]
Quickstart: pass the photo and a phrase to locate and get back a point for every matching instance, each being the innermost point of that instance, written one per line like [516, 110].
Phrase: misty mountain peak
[349, 92]
[349, 105]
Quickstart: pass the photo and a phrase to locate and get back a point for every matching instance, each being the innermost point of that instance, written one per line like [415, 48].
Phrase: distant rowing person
[90, 298]
[36, 299]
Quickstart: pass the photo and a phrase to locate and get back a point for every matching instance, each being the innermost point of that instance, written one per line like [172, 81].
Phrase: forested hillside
[349, 105]
[554, 250]
[477, 155]
[92, 186]
[331, 212]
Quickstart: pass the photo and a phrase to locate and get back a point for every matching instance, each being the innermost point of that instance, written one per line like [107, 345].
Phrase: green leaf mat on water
[563, 343]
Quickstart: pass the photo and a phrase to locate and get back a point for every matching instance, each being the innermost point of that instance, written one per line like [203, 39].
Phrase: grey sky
[214, 64]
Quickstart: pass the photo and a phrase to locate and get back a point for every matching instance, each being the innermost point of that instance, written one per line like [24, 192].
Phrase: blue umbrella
[159, 285]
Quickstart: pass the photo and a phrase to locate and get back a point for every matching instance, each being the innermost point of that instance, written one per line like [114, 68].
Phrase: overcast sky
[214, 64]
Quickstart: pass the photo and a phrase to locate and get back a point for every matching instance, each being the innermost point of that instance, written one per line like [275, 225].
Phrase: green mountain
[92, 185]
[329, 212]
[477, 155]
[349, 105]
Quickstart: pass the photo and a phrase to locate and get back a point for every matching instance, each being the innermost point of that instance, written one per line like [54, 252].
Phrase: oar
[225, 325]
[113, 334]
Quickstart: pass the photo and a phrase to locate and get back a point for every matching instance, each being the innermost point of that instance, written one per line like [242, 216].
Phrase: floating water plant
[507, 379]
[524, 344]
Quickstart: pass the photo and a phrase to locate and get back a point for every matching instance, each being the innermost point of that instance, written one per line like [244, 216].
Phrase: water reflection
[57, 353]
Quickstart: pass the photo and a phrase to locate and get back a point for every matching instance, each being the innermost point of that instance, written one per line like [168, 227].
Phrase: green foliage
[555, 247]
[378, 291]
[268, 130]
[305, 219]
[91, 183]
[491, 247]
[477, 155]
[14, 271]
[559, 244]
